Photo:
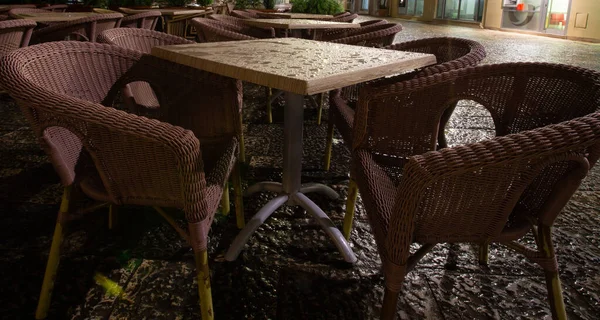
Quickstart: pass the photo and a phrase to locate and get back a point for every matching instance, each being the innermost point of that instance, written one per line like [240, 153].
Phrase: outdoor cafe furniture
[333, 34]
[345, 17]
[56, 8]
[103, 152]
[298, 67]
[295, 26]
[15, 34]
[290, 15]
[495, 191]
[244, 14]
[81, 29]
[48, 17]
[144, 20]
[211, 30]
[175, 21]
[372, 36]
[138, 95]
[450, 53]
[6, 8]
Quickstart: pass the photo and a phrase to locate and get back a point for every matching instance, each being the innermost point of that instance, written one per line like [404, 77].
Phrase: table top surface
[166, 11]
[289, 15]
[299, 24]
[55, 16]
[295, 65]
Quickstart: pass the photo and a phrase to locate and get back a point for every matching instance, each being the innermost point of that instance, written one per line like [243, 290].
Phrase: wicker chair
[261, 33]
[332, 34]
[56, 8]
[244, 14]
[450, 53]
[214, 31]
[17, 12]
[139, 96]
[84, 29]
[4, 9]
[372, 36]
[103, 152]
[228, 19]
[15, 34]
[144, 20]
[345, 17]
[494, 191]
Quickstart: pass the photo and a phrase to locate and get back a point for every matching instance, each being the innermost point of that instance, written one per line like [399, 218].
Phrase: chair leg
[329, 145]
[225, 200]
[321, 102]
[484, 253]
[442, 143]
[54, 257]
[350, 204]
[239, 202]
[269, 94]
[555, 296]
[203, 275]
[242, 153]
[112, 216]
[390, 299]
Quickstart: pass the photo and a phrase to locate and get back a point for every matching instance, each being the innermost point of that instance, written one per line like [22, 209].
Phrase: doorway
[545, 16]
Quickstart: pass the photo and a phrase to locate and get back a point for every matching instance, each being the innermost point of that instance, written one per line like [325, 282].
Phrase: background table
[289, 15]
[55, 16]
[296, 25]
[299, 67]
[175, 21]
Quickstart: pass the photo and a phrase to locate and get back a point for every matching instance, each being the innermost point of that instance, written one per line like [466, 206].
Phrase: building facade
[571, 19]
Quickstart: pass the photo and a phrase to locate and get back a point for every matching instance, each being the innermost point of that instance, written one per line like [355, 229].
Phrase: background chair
[494, 191]
[372, 36]
[213, 31]
[15, 34]
[244, 14]
[332, 34]
[84, 29]
[104, 152]
[144, 20]
[56, 8]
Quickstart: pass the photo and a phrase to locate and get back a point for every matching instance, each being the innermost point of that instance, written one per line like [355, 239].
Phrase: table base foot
[264, 186]
[319, 188]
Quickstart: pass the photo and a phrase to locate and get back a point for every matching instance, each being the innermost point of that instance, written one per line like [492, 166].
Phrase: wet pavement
[289, 269]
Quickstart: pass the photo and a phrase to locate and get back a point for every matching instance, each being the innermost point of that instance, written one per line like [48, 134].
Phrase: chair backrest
[244, 14]
[144, 20]
[13, 6]
[56, 8]
[373, 36]
[346, 17]
[139, 39]
[15, 34]
[482, 192]
[215, 31]
[16, 12]
[228, 19]
[85, 29]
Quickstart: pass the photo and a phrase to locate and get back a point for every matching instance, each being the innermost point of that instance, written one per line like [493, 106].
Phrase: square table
[299, 67]
[296, 25]
[55, 16]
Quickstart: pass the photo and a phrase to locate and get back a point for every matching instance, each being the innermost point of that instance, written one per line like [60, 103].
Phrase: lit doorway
[466, 10]
[411, 7]
[546, 16]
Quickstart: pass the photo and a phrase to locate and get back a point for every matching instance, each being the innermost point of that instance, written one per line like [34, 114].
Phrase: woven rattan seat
[15, 34]
[144, 20]
[84, 29]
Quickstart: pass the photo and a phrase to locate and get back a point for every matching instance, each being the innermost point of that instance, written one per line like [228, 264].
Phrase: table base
[291, 191]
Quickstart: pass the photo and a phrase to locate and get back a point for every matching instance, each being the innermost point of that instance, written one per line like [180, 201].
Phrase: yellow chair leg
[484, 253]
[319, 113]
[225, 200]
[555, 296]
[269, 112]
[237, 190]
[327, 162]
[350, 203]
[203, 273]
[54, 257]
[112, 216]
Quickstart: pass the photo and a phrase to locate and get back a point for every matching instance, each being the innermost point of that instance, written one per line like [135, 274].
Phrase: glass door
[557, 13]
[468, 10]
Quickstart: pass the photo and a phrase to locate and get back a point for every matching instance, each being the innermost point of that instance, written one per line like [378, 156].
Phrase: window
[469, 10]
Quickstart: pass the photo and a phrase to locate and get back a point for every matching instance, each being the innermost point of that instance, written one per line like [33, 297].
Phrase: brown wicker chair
[139, 95]
[84, 29]
[103, 152]
[450, 53]
[345, 17]
[15, 34]
[144, 20]
[214, 31]
[228, 19]
[244, 14]
[6, 8]
[494, 191]
[261, 33]
[56, 8]
[16, 12]
[372, 36]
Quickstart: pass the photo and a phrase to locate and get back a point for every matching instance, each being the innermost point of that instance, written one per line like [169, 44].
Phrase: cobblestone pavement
[289, 269]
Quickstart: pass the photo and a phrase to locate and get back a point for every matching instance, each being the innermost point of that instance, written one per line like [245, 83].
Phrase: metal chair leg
[203, 274]
[350, 203]
[238, 193]
[555, 296]
[484, 253]
[269, 94]
[225, 209]
[329, 145]
[54, 257]
[242, 152]
[321, 102]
